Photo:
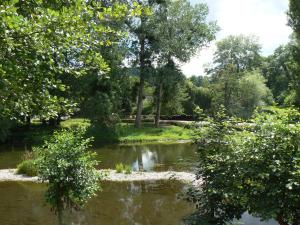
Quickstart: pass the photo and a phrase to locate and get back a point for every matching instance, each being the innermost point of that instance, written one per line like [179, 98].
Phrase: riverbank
[112, 175]
[122, 133]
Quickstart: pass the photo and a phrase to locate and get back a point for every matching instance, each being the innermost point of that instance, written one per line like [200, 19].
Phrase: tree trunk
[44, 122]
[58, 120]
[158, 105]
[52, 122]
[138, 118]
[28, 121]
[296, 220]
[60, 214]
[280, 220]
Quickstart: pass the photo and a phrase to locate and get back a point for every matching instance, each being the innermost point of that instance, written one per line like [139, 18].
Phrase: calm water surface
[149, 157]
[133, 203]
[137, 203]
[128, 203]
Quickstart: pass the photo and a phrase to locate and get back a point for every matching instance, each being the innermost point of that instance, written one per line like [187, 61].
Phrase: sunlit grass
[122, 133]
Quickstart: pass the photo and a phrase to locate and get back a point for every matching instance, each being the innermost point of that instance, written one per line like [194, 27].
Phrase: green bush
[127, 169]
[70, 170]
[119, 167]
[255, 170]
[27, 167]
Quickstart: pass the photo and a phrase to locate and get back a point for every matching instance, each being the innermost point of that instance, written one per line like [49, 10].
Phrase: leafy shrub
[70, 169]
[119, 167]
[255, 170]
[27, 167]
[127, 169]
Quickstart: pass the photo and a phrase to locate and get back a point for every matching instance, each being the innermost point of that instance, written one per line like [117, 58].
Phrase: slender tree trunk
[280, 220]
[138, 118]
[60, 214]
[28, 121]
[158, 104]
[296, 220]
[44, 122]
[58, 120]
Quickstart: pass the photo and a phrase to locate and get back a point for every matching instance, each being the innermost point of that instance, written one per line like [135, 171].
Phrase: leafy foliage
[254, 170]
[240, 93]
[27, 167]
[70, 170]
[242, 52]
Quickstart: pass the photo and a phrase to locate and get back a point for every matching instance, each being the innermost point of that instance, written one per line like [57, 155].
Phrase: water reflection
[147, 161]
[119, 203]
[128, 203]
[250, 220]
[149, 157]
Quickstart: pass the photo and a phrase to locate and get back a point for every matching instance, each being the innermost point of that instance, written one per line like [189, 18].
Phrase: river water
[126, 203]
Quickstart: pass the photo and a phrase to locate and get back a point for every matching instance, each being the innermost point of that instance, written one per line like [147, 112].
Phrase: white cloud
[264, 18]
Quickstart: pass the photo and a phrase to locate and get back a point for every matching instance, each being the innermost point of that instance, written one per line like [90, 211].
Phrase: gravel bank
[112, 175]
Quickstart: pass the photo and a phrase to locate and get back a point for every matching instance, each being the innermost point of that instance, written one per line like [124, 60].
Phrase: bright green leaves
[69, 167]
[254, 170]
[42, 44]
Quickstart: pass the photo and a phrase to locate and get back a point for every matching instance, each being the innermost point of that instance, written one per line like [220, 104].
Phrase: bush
[119, 167]
[70, 169]
[127, 169]
[27, 167]
[255, 171]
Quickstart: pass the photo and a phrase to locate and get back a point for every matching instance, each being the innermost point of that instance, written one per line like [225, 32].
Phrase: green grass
[76, 122]
[122, 168]
[148, 133]
[127, 169]
[28, 168]
[119, 167]
[127, 133]
[122, 133]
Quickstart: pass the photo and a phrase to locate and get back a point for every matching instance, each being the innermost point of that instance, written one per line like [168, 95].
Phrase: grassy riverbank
[122, 133]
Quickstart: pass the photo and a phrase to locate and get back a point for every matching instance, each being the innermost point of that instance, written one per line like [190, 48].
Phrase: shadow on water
[127, 203]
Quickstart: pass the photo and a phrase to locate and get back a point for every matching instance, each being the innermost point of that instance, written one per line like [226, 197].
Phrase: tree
[167, 83]
[278, 70]
[225, 88]
[294, 16]
[242, 52]
[69, 169]
[140, 42]
[252, 93]
[44, 45]
[294, 22]
[241, 92]
[155, 37]
[199, 94]
[255, 170]
[188, 24]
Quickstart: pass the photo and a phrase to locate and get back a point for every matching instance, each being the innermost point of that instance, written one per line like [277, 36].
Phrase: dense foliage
[255, 170]
[69, 168]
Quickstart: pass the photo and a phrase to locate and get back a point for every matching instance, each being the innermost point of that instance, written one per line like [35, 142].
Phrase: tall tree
[278, 69]
[294, 22]
[140, 38]
[175, 31]
[243, 52]
[43, 43]
[294, 16]
[167, 83]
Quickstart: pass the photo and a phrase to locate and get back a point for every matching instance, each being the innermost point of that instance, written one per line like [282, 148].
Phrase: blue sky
[264, 18]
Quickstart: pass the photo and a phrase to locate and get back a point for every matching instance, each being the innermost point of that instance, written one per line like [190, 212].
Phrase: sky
[264, 18]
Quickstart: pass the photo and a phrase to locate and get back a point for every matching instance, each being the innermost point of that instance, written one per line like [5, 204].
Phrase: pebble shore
[112, 175]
